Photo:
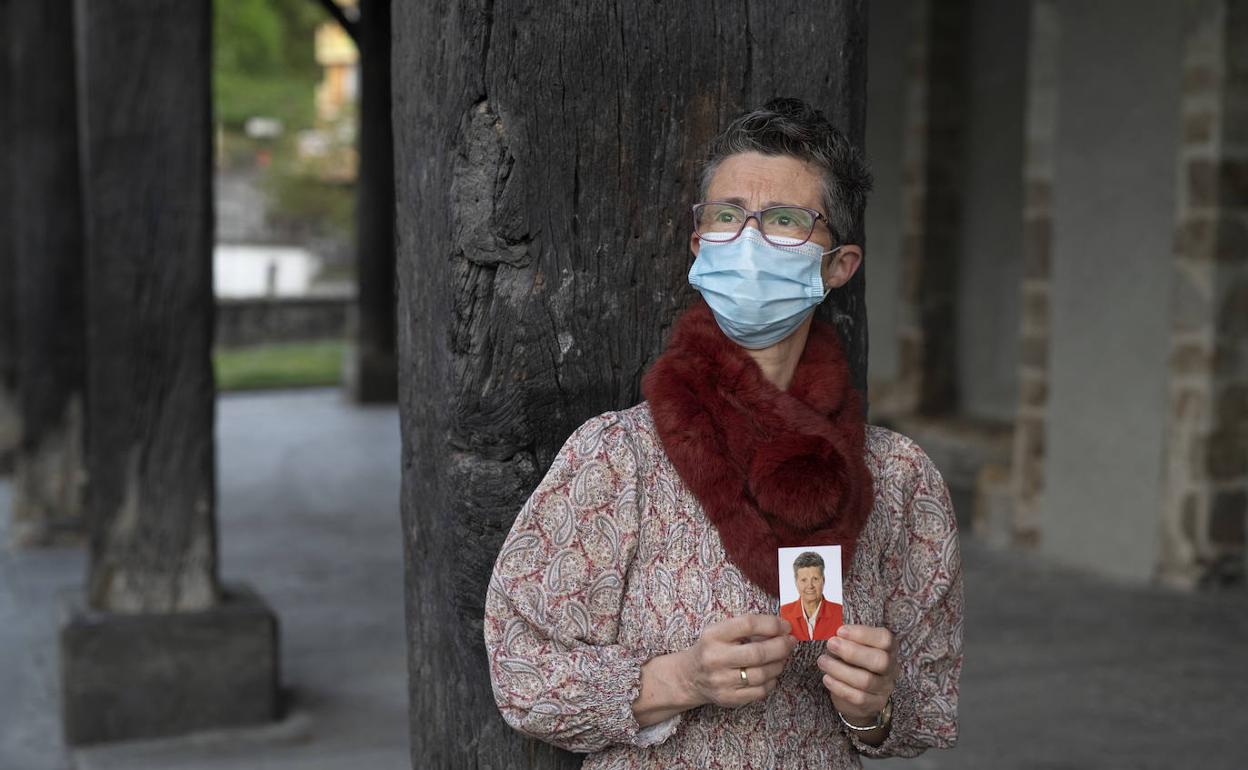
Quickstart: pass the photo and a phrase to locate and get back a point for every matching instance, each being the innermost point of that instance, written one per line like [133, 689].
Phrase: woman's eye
[726, 216]
[784, 221]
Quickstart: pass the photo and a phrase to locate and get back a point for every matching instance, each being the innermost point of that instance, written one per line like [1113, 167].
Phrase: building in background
[1056, 257]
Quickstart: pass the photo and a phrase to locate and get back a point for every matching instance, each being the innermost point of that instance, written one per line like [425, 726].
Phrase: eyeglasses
[722, 222]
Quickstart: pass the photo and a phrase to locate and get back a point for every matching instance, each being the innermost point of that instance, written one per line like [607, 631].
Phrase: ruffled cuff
[617, 686]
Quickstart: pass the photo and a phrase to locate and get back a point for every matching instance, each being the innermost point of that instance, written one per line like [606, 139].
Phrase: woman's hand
[759, 645]
[860, 671]
[710, 670]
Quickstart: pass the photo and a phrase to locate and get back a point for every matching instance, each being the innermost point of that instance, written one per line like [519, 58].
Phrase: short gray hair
[808, 559]
[792, 127]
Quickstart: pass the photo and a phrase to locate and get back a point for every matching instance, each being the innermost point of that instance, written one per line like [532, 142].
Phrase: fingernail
[834, 643]
[842, 631]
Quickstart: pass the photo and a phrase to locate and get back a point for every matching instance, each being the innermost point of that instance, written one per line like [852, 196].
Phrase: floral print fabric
[612, 562]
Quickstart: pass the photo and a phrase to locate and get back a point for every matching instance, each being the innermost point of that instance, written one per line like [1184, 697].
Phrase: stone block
[1188, 406]
[1198, 128]
[1195, 238]
[131, 676]
[1035, 351]
[1201, 186]
[1036, 310]
[1037, 236]
[1033, 391]
[1190, 307]
[1191, 358]
[1199, 80]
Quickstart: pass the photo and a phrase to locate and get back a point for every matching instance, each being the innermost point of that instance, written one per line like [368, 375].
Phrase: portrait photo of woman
[810, 591]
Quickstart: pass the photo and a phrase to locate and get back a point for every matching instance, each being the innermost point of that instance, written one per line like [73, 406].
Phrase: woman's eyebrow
[741, 202]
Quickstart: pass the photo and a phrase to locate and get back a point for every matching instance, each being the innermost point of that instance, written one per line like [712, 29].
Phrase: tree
[264, 60]
[546, 154]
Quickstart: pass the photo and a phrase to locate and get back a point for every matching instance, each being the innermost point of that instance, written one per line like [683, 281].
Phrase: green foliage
[265, 60]
[290, 365]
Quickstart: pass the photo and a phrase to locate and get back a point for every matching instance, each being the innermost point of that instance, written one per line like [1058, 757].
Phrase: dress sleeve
[552, 612]
[922, 573]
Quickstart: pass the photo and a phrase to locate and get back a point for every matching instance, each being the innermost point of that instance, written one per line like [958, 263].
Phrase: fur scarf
[771, 468]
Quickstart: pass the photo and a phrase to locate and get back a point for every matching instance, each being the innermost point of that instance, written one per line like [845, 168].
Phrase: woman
[632, 609]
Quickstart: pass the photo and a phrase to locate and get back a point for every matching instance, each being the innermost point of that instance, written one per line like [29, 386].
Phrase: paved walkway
[1062, 670]
[308, 516]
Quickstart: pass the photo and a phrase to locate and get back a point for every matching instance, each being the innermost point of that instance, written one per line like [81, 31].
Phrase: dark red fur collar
[771, 468]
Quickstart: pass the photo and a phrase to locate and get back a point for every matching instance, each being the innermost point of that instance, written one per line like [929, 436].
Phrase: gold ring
[745, 680]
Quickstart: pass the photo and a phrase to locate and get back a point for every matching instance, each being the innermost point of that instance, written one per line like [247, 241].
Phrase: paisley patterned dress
[612, 562]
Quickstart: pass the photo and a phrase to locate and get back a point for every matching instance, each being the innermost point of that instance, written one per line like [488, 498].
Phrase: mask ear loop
[827, 290]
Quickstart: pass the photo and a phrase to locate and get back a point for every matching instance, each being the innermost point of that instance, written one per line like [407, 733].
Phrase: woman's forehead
[765, 180]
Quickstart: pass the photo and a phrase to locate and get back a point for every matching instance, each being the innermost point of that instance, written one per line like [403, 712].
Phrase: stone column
[1206, 503]
[931, 209]
[546, 159]
[8, 300]
[47, 243]
[371, 373]
[1040, 122]
[160, 647]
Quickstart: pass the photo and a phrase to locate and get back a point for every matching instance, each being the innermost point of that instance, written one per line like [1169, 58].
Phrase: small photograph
[810, 590]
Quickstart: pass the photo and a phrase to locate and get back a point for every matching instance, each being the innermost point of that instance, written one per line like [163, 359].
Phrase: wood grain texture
[147, 171]
[546, 157]
[47, 253]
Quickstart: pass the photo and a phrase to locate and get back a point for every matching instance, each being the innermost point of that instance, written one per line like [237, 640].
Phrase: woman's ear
[694, 243]
[841, 265]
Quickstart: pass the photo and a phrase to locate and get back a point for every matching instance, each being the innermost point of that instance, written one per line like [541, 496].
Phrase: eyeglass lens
[724, 222]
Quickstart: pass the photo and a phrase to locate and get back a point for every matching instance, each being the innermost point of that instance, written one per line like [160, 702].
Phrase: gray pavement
[309, 517]
[1063, 670]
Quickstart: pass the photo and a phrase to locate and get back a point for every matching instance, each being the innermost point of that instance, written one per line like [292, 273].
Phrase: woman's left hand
[860, 671]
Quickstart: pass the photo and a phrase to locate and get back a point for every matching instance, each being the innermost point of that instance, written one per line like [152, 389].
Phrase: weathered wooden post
[8, 315]
[546, 159]
[160, 647]
[372, 375]
[45, 232]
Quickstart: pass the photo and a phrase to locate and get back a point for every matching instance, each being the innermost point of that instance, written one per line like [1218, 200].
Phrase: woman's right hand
[757, 644]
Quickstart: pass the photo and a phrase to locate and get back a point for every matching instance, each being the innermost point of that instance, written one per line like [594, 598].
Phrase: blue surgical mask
[759, 292]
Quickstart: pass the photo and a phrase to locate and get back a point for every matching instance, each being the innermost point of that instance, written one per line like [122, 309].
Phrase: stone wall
[1040, 126]
[268, 320]
[1206, 458]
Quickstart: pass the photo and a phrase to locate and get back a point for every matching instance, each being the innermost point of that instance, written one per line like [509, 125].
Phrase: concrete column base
[130, 676]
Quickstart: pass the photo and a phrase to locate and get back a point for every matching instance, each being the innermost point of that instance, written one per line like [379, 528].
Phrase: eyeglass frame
[757, 217]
